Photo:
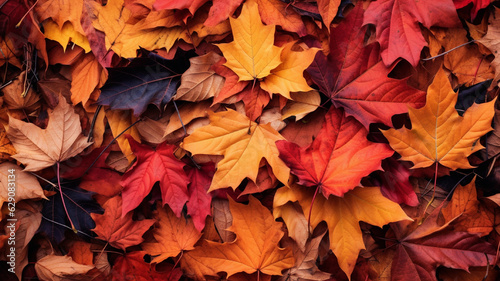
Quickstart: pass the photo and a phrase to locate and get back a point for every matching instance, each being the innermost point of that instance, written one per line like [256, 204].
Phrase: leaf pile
[249, 140]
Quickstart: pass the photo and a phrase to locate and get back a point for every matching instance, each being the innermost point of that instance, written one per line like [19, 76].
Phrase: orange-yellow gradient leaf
[172, 235]
[289, 75]
[243, 143]
[256, 247]
[343, 215]
[252, 54]
[438, 133]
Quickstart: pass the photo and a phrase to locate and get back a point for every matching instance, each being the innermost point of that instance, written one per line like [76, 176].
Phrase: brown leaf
[41, 148]
[59, 268]
[200, 82]
[26, 185]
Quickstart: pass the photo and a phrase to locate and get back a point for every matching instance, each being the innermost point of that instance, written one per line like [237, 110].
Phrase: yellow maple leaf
[256, 247]
[252, 54]
[438, 133]
[289, 75]
[65, 34]
[243, 144]
[342, 215]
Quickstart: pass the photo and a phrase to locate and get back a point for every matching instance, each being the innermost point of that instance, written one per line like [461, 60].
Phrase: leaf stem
[310, 210]
[452, 49]
[62, 199]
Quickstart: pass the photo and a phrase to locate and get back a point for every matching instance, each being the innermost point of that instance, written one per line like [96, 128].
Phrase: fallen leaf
[257, 59]
[65, 34]
[236, 137]
[118, 121]
[354, 77]
[439, 134]
[473, 217]
[255, 248]
[172, 235]
[288, 76]
[39, 148]
[87, 74]
[119, 231]
[154, 165]
[338, 158]
[132, 266]
[276, 12]
[200, 82]
[399, 33]
[26, 185]
[342, 215]
[301, 104]
[199, 202]
[59, 268]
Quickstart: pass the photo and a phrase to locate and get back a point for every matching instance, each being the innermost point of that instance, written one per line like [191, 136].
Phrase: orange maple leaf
[438, 133]
[342, 215]
[173, 235]
[255, 248]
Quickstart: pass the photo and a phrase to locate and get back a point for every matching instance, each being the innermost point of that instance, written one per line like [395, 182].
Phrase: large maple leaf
[343, 215]
[256, 246]
[354, 78]
[154, 165]
[243, 143]
[396, 23]
[252, 54]
[120, 232]
[438, 133]
[39, 148]
[338, 158]
[172, 236]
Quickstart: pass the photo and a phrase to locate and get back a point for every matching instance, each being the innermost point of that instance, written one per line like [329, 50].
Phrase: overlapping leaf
[439, 134]
[338, 158]
[354, 78]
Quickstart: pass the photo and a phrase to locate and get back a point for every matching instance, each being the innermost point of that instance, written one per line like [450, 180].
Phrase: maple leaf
[490, 40]
[398, 31]
[476, 5]
[252, 54]
[439, 134]
[276, 12]
[118, 121]
[255, 248]
[199, 201]
[58, 268]
[419, 252]
[39, 148]
[473, 217]
[27, 186]
[305, 261]
[110, 19]
[119, 231]
[354, 78]
[328, 10]
[343, 215]
[87, 75]
[133, 266]
[338, 158]
[154, 165]
[61, 11]
[200, 82]
[65, 34]
[173, 235]
[288, 76]
[145, 81]
[243, 144]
